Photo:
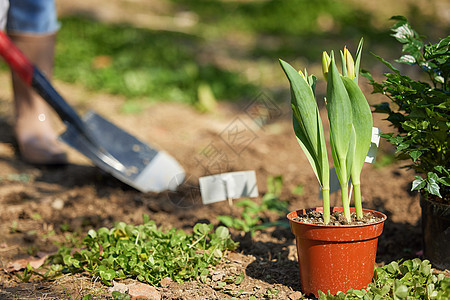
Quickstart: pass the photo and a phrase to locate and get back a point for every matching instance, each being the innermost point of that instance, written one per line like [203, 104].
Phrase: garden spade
[110, 148]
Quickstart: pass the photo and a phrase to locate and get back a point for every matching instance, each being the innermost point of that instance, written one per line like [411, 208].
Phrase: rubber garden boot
[36, 137]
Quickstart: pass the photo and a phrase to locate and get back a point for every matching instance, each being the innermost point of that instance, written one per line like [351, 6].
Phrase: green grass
[158, 65]
[287, 29]
[154, 65]
[281, 17]
[166, 66]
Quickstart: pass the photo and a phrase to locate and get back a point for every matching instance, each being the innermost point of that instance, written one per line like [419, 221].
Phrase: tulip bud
[349, 64]
[326, 60]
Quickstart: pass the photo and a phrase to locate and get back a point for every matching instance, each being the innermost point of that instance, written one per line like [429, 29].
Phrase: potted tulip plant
[334, 257]
[420, 113]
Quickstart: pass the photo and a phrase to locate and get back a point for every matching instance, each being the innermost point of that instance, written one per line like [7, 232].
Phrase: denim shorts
[32, 16]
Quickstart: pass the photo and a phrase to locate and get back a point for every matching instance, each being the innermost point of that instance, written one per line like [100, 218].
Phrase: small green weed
[120, 296]
[22, 177]
[146, 253]
[29, 271]
[253, 217]
[384, 160]
[14, 227]
[36, 217]
[228, 285]
[298, 190]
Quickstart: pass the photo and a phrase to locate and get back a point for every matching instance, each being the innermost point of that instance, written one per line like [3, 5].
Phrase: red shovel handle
[16, 59]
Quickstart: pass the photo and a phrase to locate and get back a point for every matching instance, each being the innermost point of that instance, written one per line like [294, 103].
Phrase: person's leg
[32, 26]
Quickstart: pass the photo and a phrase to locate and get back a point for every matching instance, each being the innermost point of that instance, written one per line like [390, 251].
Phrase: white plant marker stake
[228, 186]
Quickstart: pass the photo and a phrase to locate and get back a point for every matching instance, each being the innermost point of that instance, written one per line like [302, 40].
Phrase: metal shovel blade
[109, 147]
[146, 169]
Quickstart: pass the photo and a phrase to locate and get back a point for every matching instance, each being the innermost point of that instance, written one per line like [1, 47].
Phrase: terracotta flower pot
[335, 258]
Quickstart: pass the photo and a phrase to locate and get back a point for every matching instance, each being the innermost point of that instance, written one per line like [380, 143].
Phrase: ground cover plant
[420, 108]
[254, 216]
[150, 255]
[410, 279]
[146, 253]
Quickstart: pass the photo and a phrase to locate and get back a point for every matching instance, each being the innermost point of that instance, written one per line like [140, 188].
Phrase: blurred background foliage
[135, 62]
[174, 50]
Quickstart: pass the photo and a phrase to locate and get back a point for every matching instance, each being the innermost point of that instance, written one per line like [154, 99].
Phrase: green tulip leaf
[308, 127]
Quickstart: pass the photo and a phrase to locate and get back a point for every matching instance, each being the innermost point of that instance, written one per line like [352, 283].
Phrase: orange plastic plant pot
[335, 258]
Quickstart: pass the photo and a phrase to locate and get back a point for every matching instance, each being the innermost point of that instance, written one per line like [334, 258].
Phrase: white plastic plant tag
[230, 185]
[372, 155]
[225, 186]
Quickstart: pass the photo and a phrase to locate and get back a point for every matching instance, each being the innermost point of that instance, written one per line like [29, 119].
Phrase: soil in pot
[337, 218]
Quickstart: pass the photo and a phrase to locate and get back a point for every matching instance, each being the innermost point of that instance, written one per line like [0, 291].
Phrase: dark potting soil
[337, 218]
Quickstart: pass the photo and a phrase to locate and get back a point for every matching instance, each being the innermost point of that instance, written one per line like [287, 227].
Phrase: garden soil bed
[39, 204]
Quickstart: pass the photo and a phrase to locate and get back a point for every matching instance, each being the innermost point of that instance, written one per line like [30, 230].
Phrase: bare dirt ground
[35, 201]
[83, 197]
